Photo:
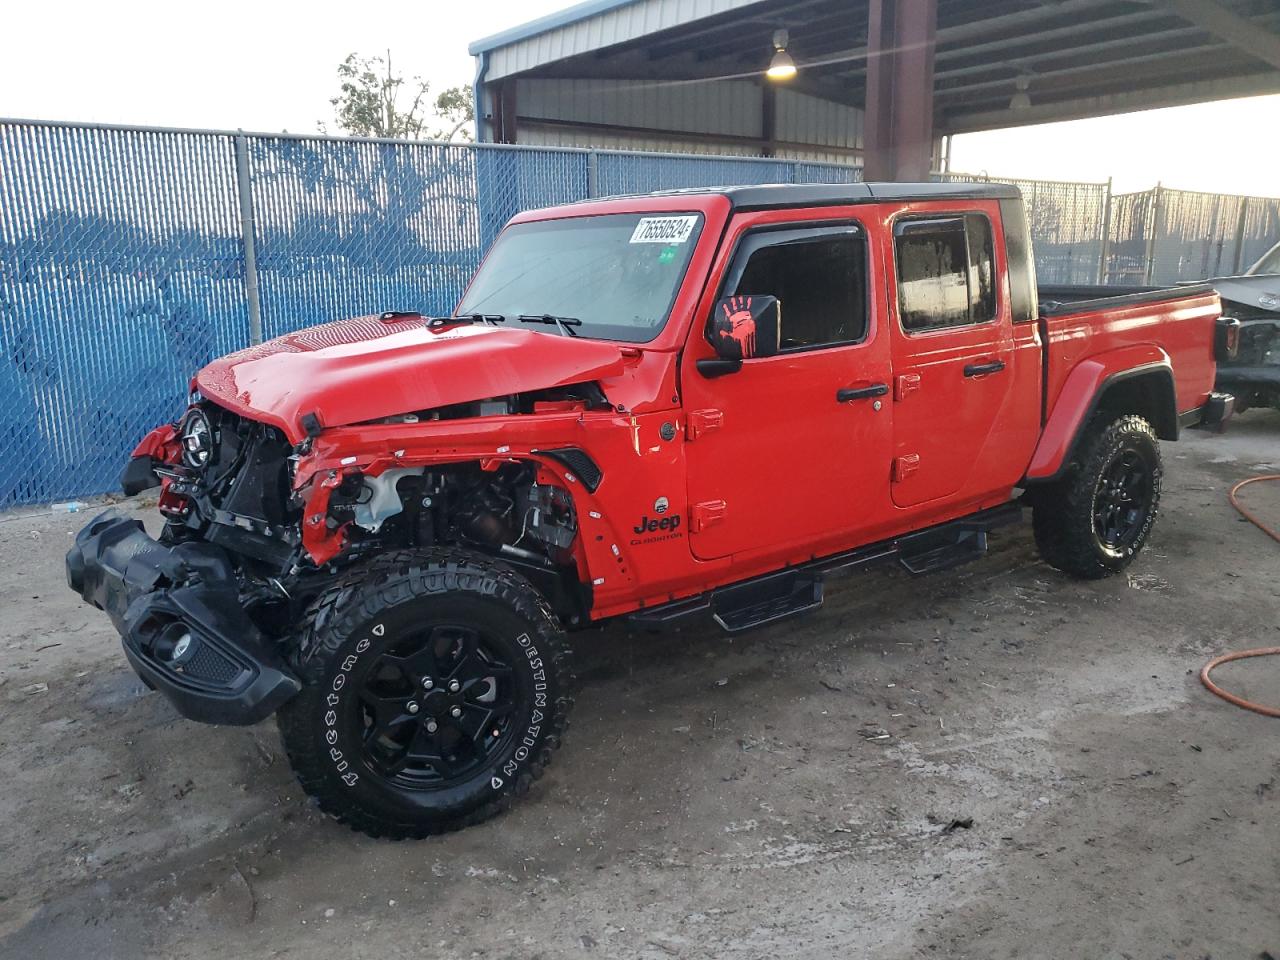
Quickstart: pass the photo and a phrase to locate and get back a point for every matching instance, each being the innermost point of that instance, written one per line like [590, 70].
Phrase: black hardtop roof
[773, 195]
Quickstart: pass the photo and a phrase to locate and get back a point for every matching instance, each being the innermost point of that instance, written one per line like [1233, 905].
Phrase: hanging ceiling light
[1021, 99]
[781, 67]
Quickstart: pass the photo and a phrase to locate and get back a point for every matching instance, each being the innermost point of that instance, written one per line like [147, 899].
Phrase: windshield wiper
[485, 318]
[566, 324]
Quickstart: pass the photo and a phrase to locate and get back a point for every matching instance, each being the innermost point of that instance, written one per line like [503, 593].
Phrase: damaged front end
[195, 608]
[438, 478]
[178, 610]
[256, 527]
[305, 456]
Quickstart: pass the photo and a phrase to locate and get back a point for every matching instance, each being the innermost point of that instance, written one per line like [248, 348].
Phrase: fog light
[175, 644]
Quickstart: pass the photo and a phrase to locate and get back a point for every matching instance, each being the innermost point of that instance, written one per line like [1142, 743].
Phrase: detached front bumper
[178, 611]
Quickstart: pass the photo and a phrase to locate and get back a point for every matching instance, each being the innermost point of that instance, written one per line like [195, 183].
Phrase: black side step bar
[795, 590]
[767, 599]
[932, 558]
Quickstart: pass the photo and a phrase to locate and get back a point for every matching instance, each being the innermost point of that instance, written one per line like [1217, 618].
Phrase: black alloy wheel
[1092, 521]
[436, 685]
[1122, 499]
[436, 707]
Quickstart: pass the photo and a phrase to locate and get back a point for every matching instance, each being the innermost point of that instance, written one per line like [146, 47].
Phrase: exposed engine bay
[233, 487]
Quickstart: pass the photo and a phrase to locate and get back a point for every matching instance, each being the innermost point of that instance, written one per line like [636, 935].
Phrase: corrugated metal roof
[588, 27]
[727, 116]
[1071, 57]
[731, 108]
[551, 21]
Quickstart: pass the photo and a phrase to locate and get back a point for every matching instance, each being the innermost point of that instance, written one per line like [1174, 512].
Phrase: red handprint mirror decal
[746, 326]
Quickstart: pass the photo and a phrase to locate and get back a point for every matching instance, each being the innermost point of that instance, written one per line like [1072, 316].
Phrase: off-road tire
[347, 631]
[1063, 511]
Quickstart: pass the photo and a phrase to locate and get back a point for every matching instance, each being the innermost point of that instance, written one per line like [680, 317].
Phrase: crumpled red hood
[367, 368]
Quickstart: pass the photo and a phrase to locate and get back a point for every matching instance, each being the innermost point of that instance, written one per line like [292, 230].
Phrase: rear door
[953, 351]
[777, 461]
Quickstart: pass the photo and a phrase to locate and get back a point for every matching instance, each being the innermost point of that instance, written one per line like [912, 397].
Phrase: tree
[455, 106]
[375, 101]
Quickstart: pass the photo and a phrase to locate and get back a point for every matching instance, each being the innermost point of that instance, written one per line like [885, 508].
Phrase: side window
[946, 272]
[819, 276]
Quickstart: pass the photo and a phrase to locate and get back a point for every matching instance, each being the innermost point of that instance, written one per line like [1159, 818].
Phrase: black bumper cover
[178, 611]
[1237, 378]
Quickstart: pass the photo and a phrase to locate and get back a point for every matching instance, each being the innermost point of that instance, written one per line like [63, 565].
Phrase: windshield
[618, 274]
[1270, 262]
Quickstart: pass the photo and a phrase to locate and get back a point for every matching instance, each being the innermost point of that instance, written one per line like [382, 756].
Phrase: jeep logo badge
[660, 505]
[648, 525]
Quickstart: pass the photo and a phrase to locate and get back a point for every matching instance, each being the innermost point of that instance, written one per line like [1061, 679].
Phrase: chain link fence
[1164, 236]
[121, 272]
[131, 257]
[1067, 222]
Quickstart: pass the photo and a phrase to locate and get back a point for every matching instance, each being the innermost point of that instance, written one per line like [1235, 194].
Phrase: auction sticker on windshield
[663, 229]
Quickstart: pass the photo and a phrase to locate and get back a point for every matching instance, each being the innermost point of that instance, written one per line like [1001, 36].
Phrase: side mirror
[746, 327]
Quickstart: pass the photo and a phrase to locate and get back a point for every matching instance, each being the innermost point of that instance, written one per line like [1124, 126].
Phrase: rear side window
[819, 276]
[946, 272]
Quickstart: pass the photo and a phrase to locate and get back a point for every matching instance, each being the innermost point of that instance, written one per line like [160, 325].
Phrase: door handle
[978, 369]
[862, 393]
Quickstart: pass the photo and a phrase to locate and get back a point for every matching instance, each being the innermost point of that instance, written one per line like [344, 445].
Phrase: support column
[898, 131]
[769, 119]
[504, 112]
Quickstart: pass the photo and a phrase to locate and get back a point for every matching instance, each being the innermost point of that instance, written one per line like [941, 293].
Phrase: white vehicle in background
[1268, 264]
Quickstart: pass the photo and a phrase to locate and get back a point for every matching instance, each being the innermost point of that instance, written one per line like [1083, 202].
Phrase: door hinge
[905, 466]
[708, 514]
[703, 421]
[905, 385]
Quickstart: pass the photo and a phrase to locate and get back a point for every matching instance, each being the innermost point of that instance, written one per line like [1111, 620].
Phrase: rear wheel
[1092, 522]
[435, 690]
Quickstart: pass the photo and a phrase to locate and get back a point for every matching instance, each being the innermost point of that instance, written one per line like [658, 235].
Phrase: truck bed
[1150, 325]
[1061, 299]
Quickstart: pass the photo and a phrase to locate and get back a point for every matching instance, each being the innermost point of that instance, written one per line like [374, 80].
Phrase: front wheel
[435, 688]
[1092, 522]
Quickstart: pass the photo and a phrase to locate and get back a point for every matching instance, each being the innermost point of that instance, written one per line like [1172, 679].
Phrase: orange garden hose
[1244, 511]
[1258, 651]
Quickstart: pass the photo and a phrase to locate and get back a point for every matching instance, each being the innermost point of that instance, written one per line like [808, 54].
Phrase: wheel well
[1148, 394]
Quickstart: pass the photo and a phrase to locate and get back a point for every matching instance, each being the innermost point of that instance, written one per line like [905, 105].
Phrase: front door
[790, 451]
[953, 356]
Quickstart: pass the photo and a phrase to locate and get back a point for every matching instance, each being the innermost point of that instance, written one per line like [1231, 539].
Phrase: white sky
[269, 65]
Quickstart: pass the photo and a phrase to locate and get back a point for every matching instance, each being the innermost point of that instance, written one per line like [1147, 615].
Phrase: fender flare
[1080, 397]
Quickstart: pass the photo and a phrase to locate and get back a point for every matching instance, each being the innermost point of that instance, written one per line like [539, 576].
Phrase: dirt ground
[993, 762]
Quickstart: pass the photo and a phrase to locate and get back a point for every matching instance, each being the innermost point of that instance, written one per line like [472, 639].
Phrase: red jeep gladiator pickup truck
[696, 402]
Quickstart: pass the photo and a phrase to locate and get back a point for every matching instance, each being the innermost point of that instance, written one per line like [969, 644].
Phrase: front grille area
[209, 666]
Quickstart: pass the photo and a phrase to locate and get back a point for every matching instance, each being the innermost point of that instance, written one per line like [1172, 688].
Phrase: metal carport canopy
[1073, 58]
